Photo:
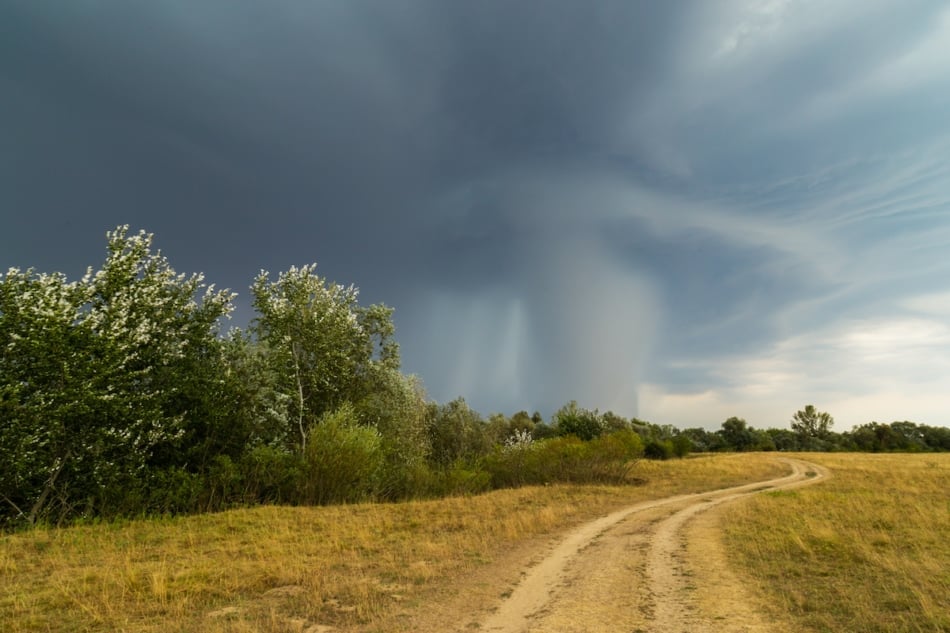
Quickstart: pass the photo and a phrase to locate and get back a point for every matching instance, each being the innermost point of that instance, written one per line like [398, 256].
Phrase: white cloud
[879, 369]
[933, 303]
[924, 64]
[751, 23]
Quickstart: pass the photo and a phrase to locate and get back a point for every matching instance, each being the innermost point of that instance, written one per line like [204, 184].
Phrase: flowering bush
[90, 374]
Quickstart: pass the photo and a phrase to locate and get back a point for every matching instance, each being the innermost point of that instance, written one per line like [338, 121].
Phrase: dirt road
[647, 568]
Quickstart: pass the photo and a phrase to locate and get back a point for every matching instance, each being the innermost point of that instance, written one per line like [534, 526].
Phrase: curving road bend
[632, 571]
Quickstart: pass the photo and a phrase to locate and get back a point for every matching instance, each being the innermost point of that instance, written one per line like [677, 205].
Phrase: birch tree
[325, 348]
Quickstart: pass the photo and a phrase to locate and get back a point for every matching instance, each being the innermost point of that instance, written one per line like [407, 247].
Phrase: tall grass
[357, 567]
[867, 550]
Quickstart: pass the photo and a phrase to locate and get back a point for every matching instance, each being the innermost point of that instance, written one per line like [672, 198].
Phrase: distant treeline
[119, 396]
[873, 437]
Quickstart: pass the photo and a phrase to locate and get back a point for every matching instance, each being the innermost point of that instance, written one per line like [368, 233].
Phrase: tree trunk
[48, 489]
[300, 400]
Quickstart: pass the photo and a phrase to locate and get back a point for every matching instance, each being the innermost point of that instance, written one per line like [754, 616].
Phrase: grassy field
[867, 550]
[356, 568]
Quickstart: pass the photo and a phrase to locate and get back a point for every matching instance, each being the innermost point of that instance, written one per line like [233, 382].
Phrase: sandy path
[632, 571]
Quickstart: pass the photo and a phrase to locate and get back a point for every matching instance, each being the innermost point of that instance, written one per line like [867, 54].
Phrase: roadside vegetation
[363, 567]
[120, 395]
[867, 550]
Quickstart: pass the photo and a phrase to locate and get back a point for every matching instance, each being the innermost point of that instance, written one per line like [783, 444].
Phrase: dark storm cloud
[379, 139]
[318, 106]
[562, 200]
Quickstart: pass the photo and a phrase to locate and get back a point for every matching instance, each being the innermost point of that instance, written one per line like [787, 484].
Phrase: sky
[681, 211]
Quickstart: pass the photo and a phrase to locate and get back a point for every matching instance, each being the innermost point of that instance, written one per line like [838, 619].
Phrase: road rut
[632, 571]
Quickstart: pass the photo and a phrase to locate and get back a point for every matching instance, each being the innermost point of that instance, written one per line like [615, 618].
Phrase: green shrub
[456, 432]
[606, 459]
[559, 459]
[223, 484]
[459, 478]
[509, 463]
[682, 445]
[402, 479]
[611, 457]
[574, 420]
[658, 449]
[270, 475]
[169, 491]
[342, 460]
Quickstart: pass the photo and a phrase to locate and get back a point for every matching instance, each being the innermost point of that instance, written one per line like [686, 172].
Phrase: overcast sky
[680, 210]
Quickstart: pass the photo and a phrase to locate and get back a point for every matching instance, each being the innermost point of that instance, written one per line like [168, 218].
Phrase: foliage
[99, 375]
[342, 460]
[456, 433]
[682, 445]
[119, 396]
[899, 436]
[811, 423]
[784, 439]
[396, 407]
[736, 433]
[458, 478]
[581, 423]
[565, 459]
[323, 348]
[543, 431]
[613, 455]
[658, 449]
[702, 440]
[270, 474]
[510, 463]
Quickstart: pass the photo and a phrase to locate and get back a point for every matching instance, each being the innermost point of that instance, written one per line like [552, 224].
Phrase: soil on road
[655, 566]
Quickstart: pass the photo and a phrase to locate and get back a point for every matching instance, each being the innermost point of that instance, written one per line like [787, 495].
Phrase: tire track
[627, 571]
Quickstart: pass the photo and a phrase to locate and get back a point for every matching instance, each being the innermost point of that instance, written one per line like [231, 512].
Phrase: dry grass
[867, 550]
[358, 568]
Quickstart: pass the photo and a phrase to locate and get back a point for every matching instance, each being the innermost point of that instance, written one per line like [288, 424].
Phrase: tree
[703, 440]
[160, 350]
[520, 422]
[242, 407]
[93, 374]
[811, 423]
[396, 407]
[45, 386]
[682, 445]
[574, 420]
[613, 422]
[456, 433]
[911, 436]
[736, 434]
[784, 440]
[324, 348]
[501, 428]
[937, 438]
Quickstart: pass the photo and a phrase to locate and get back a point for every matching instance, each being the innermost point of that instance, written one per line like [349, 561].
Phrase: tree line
[121, 395]
[811, 431]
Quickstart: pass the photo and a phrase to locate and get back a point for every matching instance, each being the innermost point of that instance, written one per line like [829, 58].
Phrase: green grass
[867, 550]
